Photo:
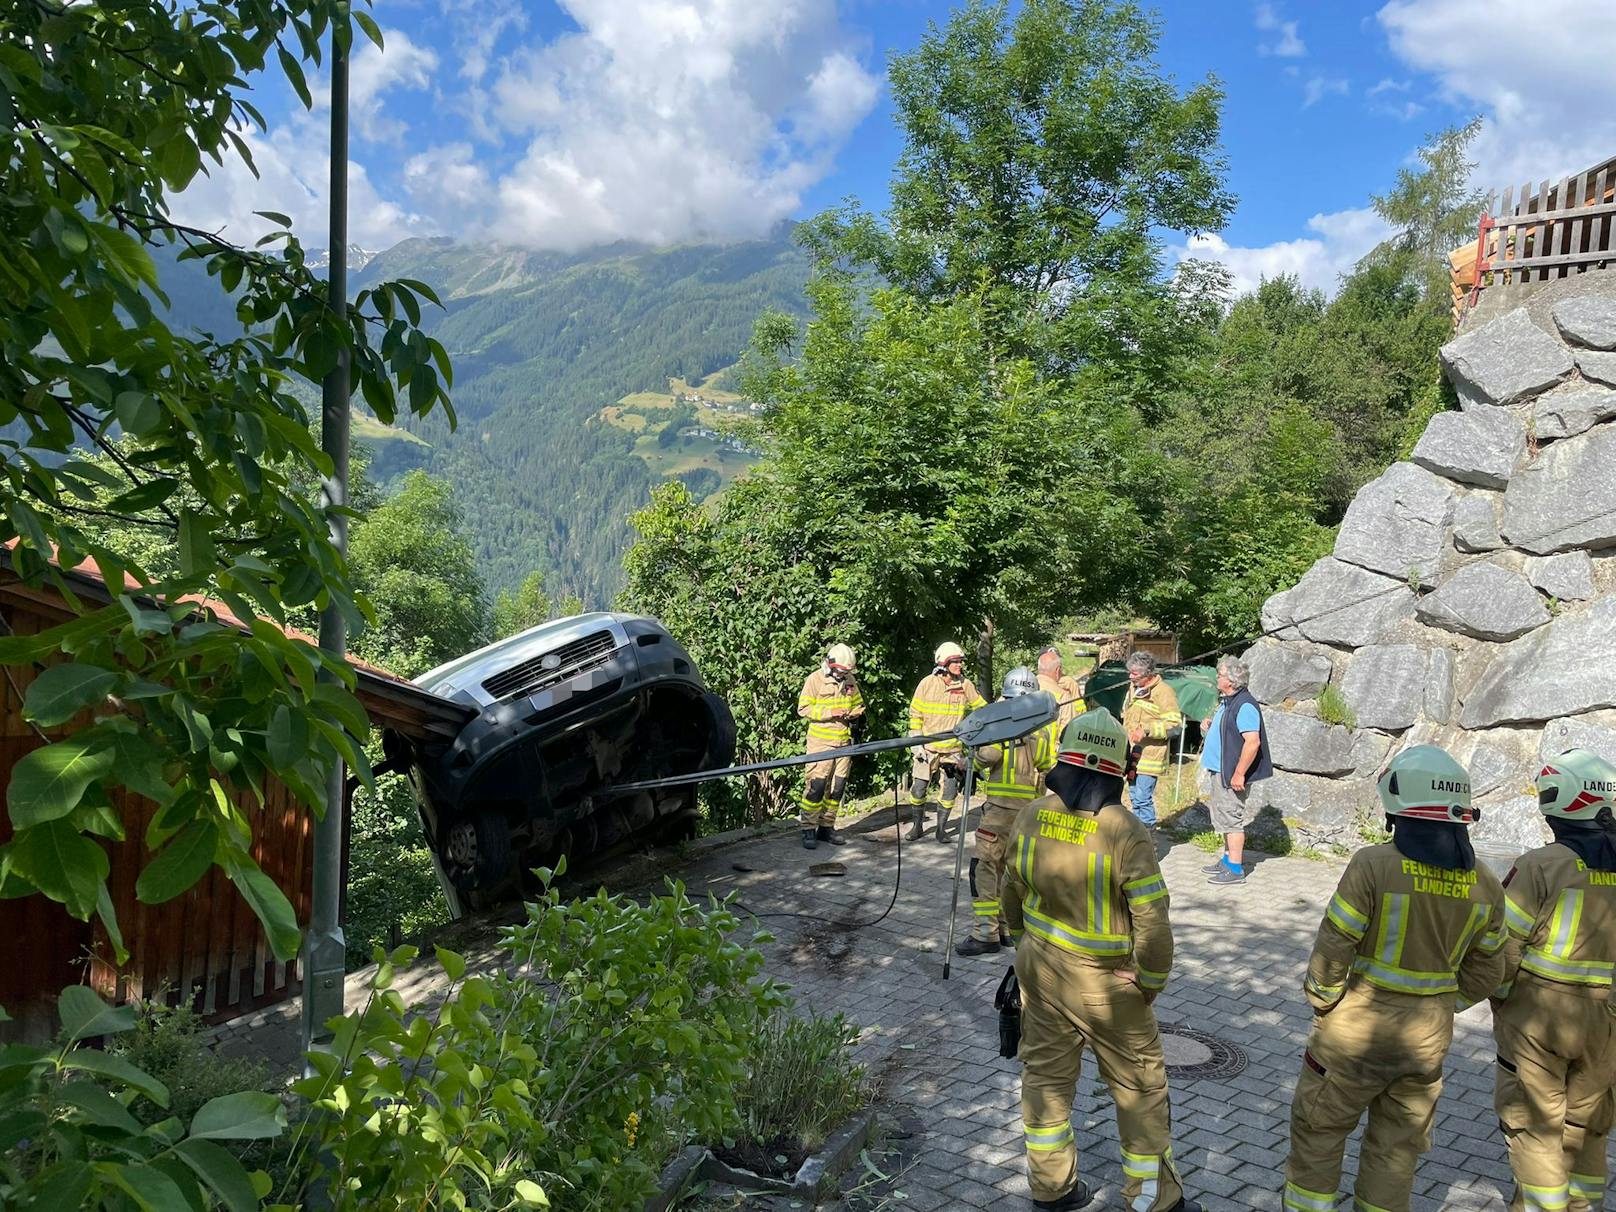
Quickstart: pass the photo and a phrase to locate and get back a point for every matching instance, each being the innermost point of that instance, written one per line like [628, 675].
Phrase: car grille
[531, 676]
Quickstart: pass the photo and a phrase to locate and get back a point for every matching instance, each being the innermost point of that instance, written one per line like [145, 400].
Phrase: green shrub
[801, 1082]
[617, 1029]
[167, 1042]
[1333, 708]
[66, 1142]
[391, 878]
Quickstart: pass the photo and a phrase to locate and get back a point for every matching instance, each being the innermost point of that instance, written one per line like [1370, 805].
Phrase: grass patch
[1333, 708]
[367, 428]
[170, 1043]
[1209, 842]
[803, 1083]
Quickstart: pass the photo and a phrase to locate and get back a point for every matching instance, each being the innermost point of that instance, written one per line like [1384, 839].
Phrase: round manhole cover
[1193, 1054]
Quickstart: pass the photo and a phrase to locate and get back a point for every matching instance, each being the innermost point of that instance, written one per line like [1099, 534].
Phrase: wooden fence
[204, 947]
[1550, 230]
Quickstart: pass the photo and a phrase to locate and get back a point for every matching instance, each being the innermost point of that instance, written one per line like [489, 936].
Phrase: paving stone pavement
[1237, 971]
[933, 1044]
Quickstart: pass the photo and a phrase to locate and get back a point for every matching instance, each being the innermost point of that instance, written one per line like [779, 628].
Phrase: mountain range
[581, 381]
[545, 347]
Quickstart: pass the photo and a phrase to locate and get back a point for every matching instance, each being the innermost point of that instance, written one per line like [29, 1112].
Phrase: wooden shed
[205, 946]
[1120, 645]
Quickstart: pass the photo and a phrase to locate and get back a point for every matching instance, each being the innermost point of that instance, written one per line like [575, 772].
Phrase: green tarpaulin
[1195, 685]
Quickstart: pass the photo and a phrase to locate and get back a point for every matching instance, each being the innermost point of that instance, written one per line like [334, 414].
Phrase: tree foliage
[1434, 209]
[105, 111]
[915, 488]
[1044, 154]
[527, 607]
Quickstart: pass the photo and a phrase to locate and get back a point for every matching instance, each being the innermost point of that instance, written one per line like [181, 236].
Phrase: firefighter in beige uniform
[1551, 1016]
[1086, 902]
[1008, 775]
[940, 702]
[830, 701]
[1413, 924]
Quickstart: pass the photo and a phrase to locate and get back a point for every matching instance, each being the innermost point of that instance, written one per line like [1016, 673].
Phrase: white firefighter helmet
[1019, 681]
[1427, 783]
[1576, 785]
[947, 652]
[840, 656]
[1095, 741]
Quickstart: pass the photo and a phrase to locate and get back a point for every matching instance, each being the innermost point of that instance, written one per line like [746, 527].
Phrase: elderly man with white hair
[1235, 753]
[1068, 691]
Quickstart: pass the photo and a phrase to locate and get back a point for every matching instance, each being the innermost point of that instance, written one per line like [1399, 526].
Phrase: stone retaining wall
[1470, 599]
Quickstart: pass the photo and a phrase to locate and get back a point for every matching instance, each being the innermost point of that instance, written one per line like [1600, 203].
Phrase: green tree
[914, 488]
[106, 109]
[1434, 209]
[1044, 154]
[418, 569]
[527, 607]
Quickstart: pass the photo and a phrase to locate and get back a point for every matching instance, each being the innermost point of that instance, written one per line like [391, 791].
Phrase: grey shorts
[1231, 810]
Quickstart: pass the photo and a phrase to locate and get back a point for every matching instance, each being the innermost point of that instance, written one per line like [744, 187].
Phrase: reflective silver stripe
[1393, 924]
[1303, 1200]
[1329, 993]
[1590, 1187]
[1347, 917]
[1516, 919]
[1155, 981]
[1096, 893]
[1564, 930]
[1138, 1165]
[1477, 920]
[1402, 980]
[1041, 1140]
[1083, 941]
[1143, 891]
[1593, 972]
[1550, 1199]
[986, 908]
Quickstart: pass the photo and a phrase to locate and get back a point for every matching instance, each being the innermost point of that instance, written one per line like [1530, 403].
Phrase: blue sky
[566, 123]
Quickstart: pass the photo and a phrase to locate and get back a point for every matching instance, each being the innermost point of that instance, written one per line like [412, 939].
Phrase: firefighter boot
[917, 829]
[1080, 1196]
[827, 834]
[810, 839]
[971, 945]
[942, 821]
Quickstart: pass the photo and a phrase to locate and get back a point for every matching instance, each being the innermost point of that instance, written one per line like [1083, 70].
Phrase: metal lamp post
[324, 948]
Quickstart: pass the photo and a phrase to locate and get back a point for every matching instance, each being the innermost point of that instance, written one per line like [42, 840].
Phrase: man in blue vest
[1235, 752]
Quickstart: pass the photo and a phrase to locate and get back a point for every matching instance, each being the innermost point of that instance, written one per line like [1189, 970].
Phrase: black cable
[875, 921]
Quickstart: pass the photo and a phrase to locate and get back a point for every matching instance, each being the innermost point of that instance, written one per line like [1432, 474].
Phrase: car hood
[468, 672]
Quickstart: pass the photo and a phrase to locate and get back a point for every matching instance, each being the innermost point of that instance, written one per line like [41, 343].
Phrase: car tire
[480, 848]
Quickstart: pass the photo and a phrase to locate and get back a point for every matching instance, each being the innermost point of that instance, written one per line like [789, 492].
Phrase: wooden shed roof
[391, 701]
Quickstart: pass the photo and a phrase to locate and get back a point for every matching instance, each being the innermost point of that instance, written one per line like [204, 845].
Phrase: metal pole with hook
[959, 856]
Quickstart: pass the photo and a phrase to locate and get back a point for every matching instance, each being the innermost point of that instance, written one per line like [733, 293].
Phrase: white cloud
[372, 74]
[1388, 85]
[1548, 97]
[375, 72]
[293, 172]
[652, 121]
[840, 94]
[1338, 241]
[1288, 43]
[1319, 87]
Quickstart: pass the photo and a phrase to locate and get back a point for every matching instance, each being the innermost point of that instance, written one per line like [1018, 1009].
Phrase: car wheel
[478, 851]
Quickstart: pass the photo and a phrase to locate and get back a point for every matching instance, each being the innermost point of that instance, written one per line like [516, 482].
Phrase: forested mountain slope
[541, 342]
